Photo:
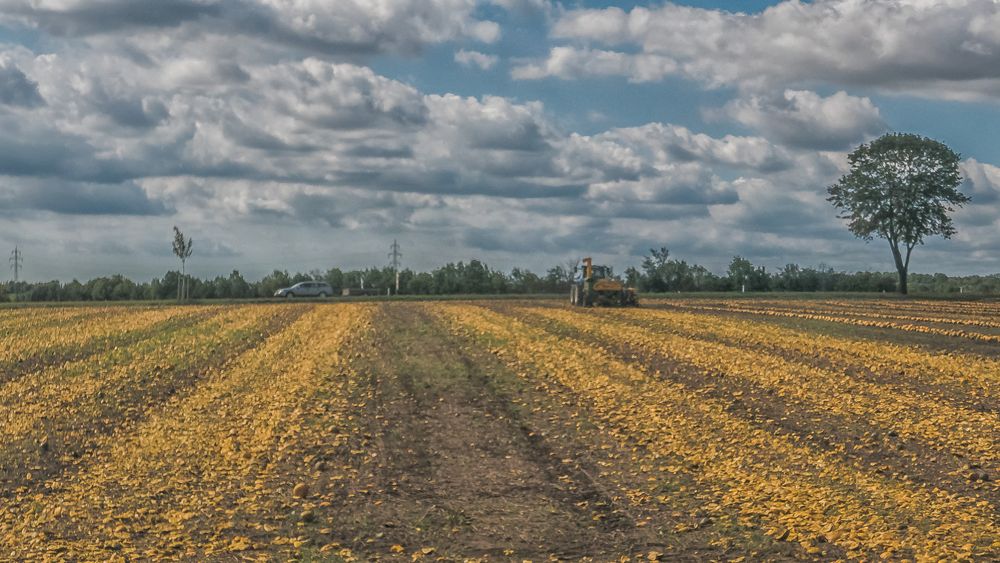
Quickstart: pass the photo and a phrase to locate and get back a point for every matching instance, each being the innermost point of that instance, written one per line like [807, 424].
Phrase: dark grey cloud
[130, 112]
[16, 89]
[371, 150]
[339, 29]
[107, 16]
[78, 198]
[33, 150]
[520, 136]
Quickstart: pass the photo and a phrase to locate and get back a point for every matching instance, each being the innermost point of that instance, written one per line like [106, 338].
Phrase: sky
[309, 134]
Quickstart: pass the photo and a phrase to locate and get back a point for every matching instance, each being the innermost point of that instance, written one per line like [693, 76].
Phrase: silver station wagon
[306, 289]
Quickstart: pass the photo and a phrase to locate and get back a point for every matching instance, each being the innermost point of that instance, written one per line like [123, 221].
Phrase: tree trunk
[901, 268]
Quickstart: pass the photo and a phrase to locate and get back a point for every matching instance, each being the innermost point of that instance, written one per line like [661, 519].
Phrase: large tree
[901, 187]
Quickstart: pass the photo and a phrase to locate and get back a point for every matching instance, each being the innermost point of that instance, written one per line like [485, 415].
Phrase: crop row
[944, 308]
[958, 375]
[47, 334]
[201, 461]
[908, 412]
[793, 490]
[909, 325]
[890, 312]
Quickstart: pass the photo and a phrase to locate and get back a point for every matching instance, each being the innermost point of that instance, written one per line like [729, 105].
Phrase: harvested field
[687, 429]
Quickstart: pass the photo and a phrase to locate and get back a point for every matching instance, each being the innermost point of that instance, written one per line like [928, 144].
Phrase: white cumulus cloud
[475, 58]
[802, 118]
[947, 49]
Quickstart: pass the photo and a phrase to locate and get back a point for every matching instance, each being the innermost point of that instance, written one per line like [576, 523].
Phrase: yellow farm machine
[595, 286]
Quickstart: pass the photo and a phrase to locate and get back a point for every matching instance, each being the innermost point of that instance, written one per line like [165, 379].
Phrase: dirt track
[458, 467]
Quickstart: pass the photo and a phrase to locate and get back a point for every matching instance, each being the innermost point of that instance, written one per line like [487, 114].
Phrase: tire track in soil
[873, 448]
[454, 467]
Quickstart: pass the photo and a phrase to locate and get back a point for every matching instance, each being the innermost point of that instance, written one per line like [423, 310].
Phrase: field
[691, 429]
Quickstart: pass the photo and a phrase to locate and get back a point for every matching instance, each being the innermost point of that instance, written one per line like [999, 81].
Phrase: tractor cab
[601, 272]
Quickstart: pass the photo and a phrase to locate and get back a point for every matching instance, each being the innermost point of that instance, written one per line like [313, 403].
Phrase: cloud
[661, 143]
[765, 206]
[260, 127]
[577, 235]
[525, 6]
[947, 49]
[571, 63]
[30, 148]
[16, 89]
[475, 58]
[982, 183]
[82, 17]
[800, 118]
[344, 27]
[76, 198]
[338, 96]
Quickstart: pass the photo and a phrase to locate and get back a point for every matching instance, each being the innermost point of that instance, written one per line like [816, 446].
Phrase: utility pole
[16, 260]
[394, 256]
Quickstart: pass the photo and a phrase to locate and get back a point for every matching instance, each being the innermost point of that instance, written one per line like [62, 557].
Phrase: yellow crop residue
[197, 463]
[923, 321]
[907, 412]
[792, 491]
[712, 429]
[26, 334]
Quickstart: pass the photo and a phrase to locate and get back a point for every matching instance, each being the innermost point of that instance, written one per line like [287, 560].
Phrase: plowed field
[688, 429]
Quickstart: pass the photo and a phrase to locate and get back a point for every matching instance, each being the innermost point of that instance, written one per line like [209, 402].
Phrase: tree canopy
[903, 188]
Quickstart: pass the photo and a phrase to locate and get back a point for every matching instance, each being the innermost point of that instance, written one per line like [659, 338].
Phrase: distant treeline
[471, 277]
[658, 273]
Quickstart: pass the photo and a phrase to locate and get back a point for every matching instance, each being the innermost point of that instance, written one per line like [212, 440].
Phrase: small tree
[183, 251]
[901, 187]
[654, 266]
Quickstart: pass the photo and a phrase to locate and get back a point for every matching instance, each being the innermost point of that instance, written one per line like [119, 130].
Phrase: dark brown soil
[476, 462]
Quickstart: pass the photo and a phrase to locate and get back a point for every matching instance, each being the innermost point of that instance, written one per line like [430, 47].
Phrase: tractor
[596, 286]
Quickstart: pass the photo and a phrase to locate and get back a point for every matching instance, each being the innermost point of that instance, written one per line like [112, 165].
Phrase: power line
[16, 260]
